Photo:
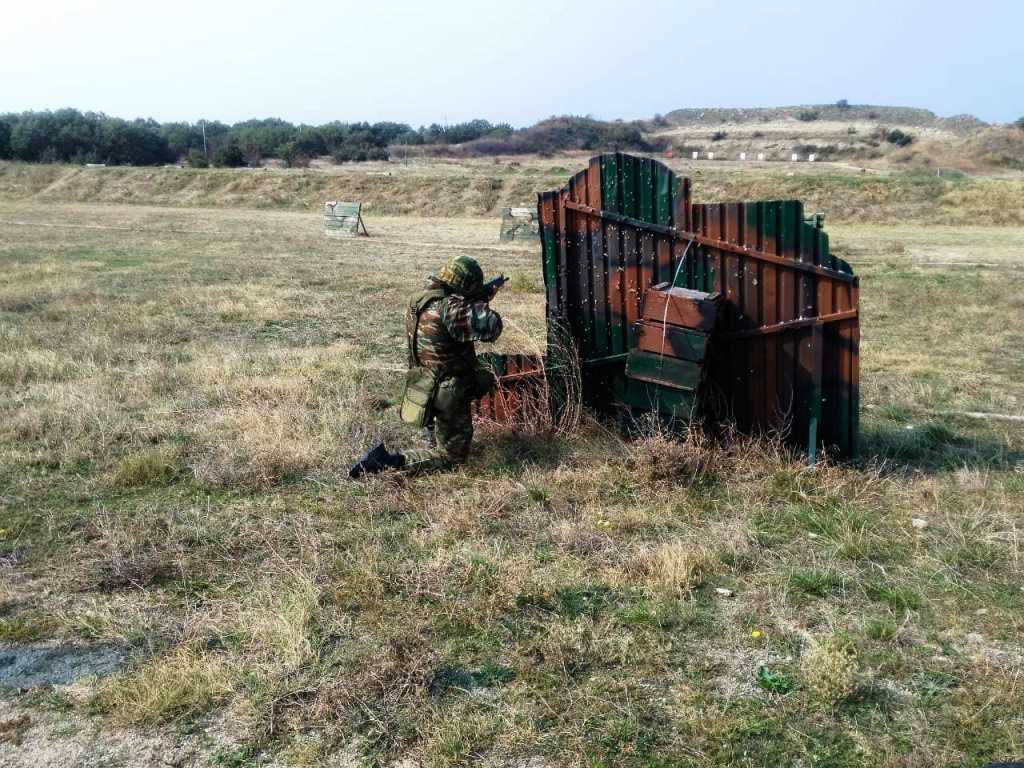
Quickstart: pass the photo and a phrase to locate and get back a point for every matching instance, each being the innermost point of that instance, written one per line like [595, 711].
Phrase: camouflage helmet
[463, 275]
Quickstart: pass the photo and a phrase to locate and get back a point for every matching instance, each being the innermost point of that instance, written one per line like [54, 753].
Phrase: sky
[451, 60]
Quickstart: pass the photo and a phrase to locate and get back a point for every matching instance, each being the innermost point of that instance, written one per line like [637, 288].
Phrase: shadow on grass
[939, 445]
[510, 453]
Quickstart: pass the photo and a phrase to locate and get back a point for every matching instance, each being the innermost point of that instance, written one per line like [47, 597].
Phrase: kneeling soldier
[441, 325]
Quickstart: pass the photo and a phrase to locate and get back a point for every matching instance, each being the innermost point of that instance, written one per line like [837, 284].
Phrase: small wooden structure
[343, 219]
[666, 369]
[519, 224]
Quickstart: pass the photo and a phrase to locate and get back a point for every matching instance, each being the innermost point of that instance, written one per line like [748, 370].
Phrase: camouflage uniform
[442, 324]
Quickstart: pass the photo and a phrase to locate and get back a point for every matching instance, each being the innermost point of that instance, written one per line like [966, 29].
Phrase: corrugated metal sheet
[786, 352]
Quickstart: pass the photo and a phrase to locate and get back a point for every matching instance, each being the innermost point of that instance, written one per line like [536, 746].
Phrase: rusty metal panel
[787, 350]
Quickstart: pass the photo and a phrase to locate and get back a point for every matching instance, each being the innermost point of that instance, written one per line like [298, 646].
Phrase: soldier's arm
[470, 320]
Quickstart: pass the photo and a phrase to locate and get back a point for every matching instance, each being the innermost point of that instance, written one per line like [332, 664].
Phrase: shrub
[557, 134]
[1019, 123]
[349, 154]
[899, 138]
[807, 115]
[718, 135]
[5, 139]
[197, 159]
[229, 156]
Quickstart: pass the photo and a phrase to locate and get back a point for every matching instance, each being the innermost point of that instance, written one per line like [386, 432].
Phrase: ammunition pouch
[421, 385]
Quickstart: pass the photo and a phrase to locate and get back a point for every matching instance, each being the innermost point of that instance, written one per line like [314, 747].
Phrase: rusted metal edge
[710, 242]
[608, 360]
[534, 374]
[803, 322]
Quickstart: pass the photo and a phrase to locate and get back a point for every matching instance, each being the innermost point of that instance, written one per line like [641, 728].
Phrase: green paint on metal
[771, 226]
[610, 183]
[642, 396]
[550, 258]
[791, 215]
[627, 181]
[667, 371]
[665, 195]
[645, 204]
[682, 343]
[827, 260]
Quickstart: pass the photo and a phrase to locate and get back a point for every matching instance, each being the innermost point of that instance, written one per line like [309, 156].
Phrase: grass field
[182, 389]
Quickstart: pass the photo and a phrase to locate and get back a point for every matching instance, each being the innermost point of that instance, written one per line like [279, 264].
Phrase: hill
[877, 136]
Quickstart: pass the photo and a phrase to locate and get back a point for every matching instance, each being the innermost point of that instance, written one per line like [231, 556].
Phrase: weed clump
[677, 567]
[151, 466]
[659, 458]
[830, 671]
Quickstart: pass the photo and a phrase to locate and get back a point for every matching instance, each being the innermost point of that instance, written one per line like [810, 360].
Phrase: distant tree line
[71, 136]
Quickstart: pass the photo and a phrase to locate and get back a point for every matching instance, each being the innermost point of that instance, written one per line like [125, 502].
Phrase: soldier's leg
[455, 434]
[453, 429]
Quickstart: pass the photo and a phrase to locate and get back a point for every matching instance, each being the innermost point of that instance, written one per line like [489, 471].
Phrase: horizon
[456, 62]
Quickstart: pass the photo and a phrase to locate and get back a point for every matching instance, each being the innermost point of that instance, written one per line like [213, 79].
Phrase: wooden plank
[751, 316]
[664, 268]
[549, 256]
[806, 401]
[598, 264]
[648, 265]
[610, 193]
[616, 289]
[666, 371]
[682, 307]
[673, 341]
[564, 281]
[769, 217]
[817, 392]
[683, 206]
[853, 446]
[826, 430]
[733, 363]
[580, 265]
[844, 370]
[697, 277]
[809, 254]
[634, 288]
[594, 184]
[790, 216]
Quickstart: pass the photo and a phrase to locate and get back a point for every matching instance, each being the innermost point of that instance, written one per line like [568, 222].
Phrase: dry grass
[179, 400]
[905, 191]
[183, 683]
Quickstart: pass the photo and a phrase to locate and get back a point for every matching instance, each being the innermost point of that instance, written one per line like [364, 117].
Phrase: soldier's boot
[376, 459]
